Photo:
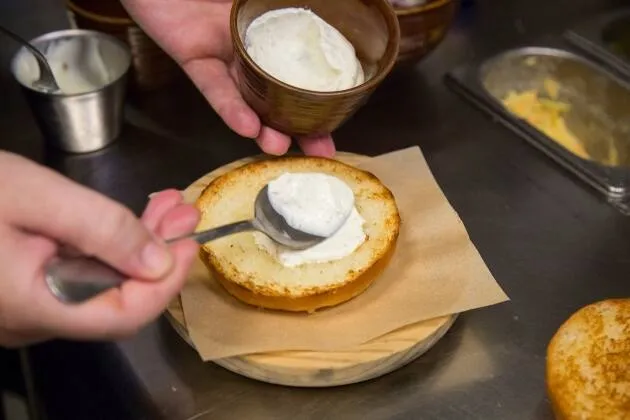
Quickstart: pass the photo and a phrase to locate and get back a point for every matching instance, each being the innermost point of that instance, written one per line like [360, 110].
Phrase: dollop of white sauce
[319, 204]
[341, 244]
[76, 63]
[311, 202]
[299, 48]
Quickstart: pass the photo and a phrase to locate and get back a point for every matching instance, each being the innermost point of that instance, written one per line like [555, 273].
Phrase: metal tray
[599, 115]
[605, 37]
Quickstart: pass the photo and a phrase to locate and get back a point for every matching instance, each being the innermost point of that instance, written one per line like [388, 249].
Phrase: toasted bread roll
[588, 363]
[255, 276]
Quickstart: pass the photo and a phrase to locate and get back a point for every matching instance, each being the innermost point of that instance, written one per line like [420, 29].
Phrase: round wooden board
[369, 360]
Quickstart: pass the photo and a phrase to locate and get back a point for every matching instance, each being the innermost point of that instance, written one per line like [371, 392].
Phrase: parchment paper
[435, 271]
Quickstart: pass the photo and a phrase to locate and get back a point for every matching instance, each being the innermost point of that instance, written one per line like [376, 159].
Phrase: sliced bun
[253, 276]
[588, 363]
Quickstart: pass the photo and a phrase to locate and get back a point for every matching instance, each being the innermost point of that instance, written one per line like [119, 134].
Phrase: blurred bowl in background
[151, 68]
[372, 28]
[422, 28]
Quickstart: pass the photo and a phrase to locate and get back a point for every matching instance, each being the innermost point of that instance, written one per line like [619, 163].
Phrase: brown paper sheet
[435, 271]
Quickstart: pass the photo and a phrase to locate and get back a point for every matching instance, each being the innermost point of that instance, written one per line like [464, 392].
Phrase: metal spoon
[76, 279]
[46, 81]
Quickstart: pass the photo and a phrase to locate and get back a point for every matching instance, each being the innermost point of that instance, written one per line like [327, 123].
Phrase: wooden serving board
[369, 360]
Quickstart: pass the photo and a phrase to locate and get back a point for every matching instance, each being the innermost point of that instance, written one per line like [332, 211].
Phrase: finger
[14, 340]
[318, 146]
[212, 78]
[136, 293]
[83, 219]
[22, 260]
[177, 221]
[159, 205]
[273, 142]
[120, 312]
[180, 220]
[144, 302]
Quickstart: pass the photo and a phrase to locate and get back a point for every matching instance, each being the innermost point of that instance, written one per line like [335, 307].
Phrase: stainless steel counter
[552, 243]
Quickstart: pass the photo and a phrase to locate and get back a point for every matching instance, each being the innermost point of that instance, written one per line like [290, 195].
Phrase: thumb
[46, 203]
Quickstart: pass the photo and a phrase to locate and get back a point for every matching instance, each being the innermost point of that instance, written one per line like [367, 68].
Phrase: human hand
[40, 209]
[196, 33]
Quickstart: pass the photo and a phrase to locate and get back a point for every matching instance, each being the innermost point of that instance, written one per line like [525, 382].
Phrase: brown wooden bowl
[372, 28]
[422, 28]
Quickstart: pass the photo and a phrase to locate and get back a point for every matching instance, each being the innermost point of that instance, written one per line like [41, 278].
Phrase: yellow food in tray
[552, 88]
[545, 112]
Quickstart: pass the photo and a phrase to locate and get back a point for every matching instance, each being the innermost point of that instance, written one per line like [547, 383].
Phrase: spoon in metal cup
[76, 279]
[46, 81]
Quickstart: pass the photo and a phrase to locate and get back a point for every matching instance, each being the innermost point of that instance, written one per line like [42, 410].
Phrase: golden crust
[307, 303]
[355, 281]
[588, 363]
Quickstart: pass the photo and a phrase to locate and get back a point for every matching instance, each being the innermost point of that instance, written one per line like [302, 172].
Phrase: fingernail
[156, 259]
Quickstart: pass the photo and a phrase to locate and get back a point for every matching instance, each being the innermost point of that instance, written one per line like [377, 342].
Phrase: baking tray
[599, 115]
[605, 37]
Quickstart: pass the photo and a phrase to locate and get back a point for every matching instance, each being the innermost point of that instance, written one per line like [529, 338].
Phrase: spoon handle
[219, 232]
[46, 78]
[79, 278]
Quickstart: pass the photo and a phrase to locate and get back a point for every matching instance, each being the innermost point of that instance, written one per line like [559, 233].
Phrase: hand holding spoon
[76, 279]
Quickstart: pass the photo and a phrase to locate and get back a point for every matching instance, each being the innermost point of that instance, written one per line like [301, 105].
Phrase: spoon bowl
[269, 222]
[266, 220]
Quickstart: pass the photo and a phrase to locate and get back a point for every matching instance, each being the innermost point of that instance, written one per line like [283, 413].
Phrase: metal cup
[81, 118]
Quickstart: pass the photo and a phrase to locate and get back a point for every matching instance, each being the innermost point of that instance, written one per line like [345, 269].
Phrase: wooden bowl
[422, 28]
[372, 28]
[152, 68]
